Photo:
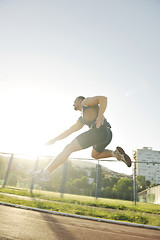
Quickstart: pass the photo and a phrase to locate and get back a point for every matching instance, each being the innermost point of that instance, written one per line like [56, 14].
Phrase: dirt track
[26, 225]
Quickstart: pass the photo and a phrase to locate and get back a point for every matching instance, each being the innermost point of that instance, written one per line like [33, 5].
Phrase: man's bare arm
[76, 127]
[102, 102]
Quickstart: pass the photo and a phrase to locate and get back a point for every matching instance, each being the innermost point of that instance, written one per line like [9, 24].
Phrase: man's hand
[99, 121]
[52, 141]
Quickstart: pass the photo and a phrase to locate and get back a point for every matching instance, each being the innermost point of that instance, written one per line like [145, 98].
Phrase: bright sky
[52, 51]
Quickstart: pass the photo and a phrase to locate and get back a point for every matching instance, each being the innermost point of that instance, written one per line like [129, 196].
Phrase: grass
[120, 210]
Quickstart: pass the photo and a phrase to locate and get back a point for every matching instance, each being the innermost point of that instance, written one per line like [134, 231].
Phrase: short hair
[81, 97]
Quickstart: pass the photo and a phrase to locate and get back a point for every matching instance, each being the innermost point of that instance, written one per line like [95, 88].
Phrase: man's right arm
[76, 127]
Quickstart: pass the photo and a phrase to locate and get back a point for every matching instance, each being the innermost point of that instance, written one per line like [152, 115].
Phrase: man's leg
[63, 156]
[105, 154]
[43, 175]
[119, 153]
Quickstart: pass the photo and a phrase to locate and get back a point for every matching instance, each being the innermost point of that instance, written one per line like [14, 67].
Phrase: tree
[79, 186]
[124, 188]
[106, 192]
[124, 184]
[142, 183]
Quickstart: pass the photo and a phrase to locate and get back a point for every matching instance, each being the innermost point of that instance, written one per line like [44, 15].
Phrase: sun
[31, 118]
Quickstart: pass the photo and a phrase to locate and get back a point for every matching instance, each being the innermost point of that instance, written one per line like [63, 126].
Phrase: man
[98, 136]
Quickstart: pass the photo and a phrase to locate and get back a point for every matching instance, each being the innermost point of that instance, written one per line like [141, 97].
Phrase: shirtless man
[98, 136]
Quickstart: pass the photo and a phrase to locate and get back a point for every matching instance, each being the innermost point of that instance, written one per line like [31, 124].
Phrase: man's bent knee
[95, 154]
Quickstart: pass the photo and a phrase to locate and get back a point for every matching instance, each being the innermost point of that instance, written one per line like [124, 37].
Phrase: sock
[113, 154]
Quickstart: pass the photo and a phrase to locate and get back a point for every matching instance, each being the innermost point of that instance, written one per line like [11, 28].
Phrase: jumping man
[98, 136]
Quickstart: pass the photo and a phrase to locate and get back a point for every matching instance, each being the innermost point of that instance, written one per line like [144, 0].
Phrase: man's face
[77, 104]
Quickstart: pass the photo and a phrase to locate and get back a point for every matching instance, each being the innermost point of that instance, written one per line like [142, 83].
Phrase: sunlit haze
[53, 51]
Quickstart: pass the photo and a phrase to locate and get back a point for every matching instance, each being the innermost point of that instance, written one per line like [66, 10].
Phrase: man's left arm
[102, 102]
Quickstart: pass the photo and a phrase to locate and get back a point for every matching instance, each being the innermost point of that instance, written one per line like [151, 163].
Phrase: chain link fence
[72, 177]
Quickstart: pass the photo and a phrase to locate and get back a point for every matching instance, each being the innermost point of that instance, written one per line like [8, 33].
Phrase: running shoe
[122, 156]
[39, 175]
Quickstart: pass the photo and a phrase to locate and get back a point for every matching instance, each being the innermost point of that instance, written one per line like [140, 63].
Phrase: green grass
[120, 210]
[85, 200]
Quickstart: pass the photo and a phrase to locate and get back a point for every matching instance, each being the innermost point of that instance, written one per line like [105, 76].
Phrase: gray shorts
[99, 138]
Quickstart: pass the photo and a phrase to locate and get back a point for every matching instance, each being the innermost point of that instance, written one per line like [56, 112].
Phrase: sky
[52, 51]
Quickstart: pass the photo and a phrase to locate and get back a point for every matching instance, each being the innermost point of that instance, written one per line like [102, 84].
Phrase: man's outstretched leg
[43, 174]
[119, 153]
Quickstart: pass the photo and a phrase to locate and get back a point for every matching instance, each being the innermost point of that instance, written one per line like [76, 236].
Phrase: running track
[16, 223]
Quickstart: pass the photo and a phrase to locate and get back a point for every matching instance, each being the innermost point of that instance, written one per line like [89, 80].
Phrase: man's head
[78, 103]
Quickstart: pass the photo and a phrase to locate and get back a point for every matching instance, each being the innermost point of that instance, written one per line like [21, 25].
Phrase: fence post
[135, 184]
[63, 184]
[33, 180]
[98, 171]
[8, 170]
